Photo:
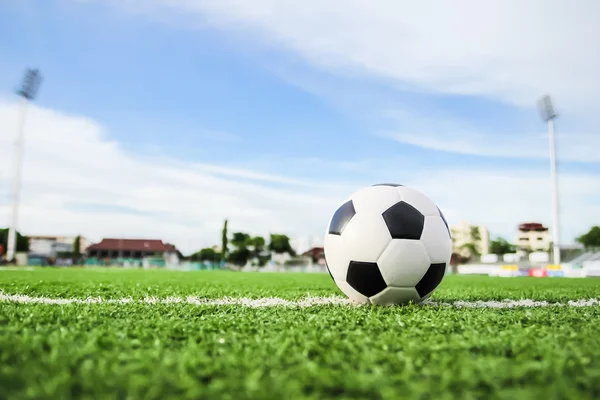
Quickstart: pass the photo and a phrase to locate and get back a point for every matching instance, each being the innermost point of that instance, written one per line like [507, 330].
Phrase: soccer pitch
[155, 334]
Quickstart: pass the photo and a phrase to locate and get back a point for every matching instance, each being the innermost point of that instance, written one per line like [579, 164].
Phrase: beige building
[465, 236]
[533, 236]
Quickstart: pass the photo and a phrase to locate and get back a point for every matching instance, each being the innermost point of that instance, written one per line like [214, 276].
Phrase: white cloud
[78, 180]
[510, 50]
[570, 147]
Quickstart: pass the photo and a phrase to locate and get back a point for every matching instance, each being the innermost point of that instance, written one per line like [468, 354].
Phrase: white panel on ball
[403, 263]
[365, 237]
[336, 257]
[351, 293]
[418, 200]
[395, 295]
[375, 199]
[436, 240]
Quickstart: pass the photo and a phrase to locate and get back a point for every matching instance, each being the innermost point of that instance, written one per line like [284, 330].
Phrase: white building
[464, 234]
[533, 236]
[49, 246]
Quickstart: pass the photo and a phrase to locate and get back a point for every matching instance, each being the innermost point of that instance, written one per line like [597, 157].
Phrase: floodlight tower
[549, 114]
[28, 90]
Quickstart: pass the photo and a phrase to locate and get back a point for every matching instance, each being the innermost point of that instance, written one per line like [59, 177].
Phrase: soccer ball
[387, 244]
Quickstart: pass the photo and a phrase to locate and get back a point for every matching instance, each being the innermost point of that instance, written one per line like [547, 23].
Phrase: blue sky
[296, 93]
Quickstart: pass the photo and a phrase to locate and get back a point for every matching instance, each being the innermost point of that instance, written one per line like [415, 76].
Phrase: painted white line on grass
[201, 301]
[516, 303]
[276, 301]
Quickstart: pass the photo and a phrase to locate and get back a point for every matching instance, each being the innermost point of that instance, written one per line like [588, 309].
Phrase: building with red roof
[132, 248]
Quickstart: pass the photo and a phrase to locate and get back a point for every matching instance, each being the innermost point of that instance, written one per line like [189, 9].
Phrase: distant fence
[288, 268]
[126, 262]
[150, 262]
[122, 262]
[588, 269]
[197, 266]
[568, 270]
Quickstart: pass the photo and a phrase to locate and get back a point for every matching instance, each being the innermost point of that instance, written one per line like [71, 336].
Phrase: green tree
[472, 249]
[207, 254]
[224, 242]
[590, 239]
[501, 246]
[240, 240]
[281, 244]
[22, 241]
[475, 234]
[77, 246]
[241, 253]
[239, 257]
[258, 244]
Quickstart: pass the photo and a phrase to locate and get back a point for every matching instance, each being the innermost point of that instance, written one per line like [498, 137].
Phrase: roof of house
[532, 226]
[314, 251]
[154, 245]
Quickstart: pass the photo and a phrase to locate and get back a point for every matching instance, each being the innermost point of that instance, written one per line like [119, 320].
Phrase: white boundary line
[276, 301]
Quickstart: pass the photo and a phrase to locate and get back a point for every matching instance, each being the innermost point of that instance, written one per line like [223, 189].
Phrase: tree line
[241, 248]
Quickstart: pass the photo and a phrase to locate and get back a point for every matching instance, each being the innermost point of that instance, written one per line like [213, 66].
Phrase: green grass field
[144, 348]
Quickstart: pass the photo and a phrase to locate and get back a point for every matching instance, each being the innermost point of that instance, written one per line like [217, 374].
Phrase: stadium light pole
[549, 114]
[28, 90]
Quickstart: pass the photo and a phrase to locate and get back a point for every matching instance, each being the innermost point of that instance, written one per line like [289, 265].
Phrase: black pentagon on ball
[365, 278]
[404, 221]
[388, 184]
[445, 223]
[432, 278]
[341, 217]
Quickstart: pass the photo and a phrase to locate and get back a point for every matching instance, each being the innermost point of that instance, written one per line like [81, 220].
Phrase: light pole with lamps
[29, 87]
[549, 114]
